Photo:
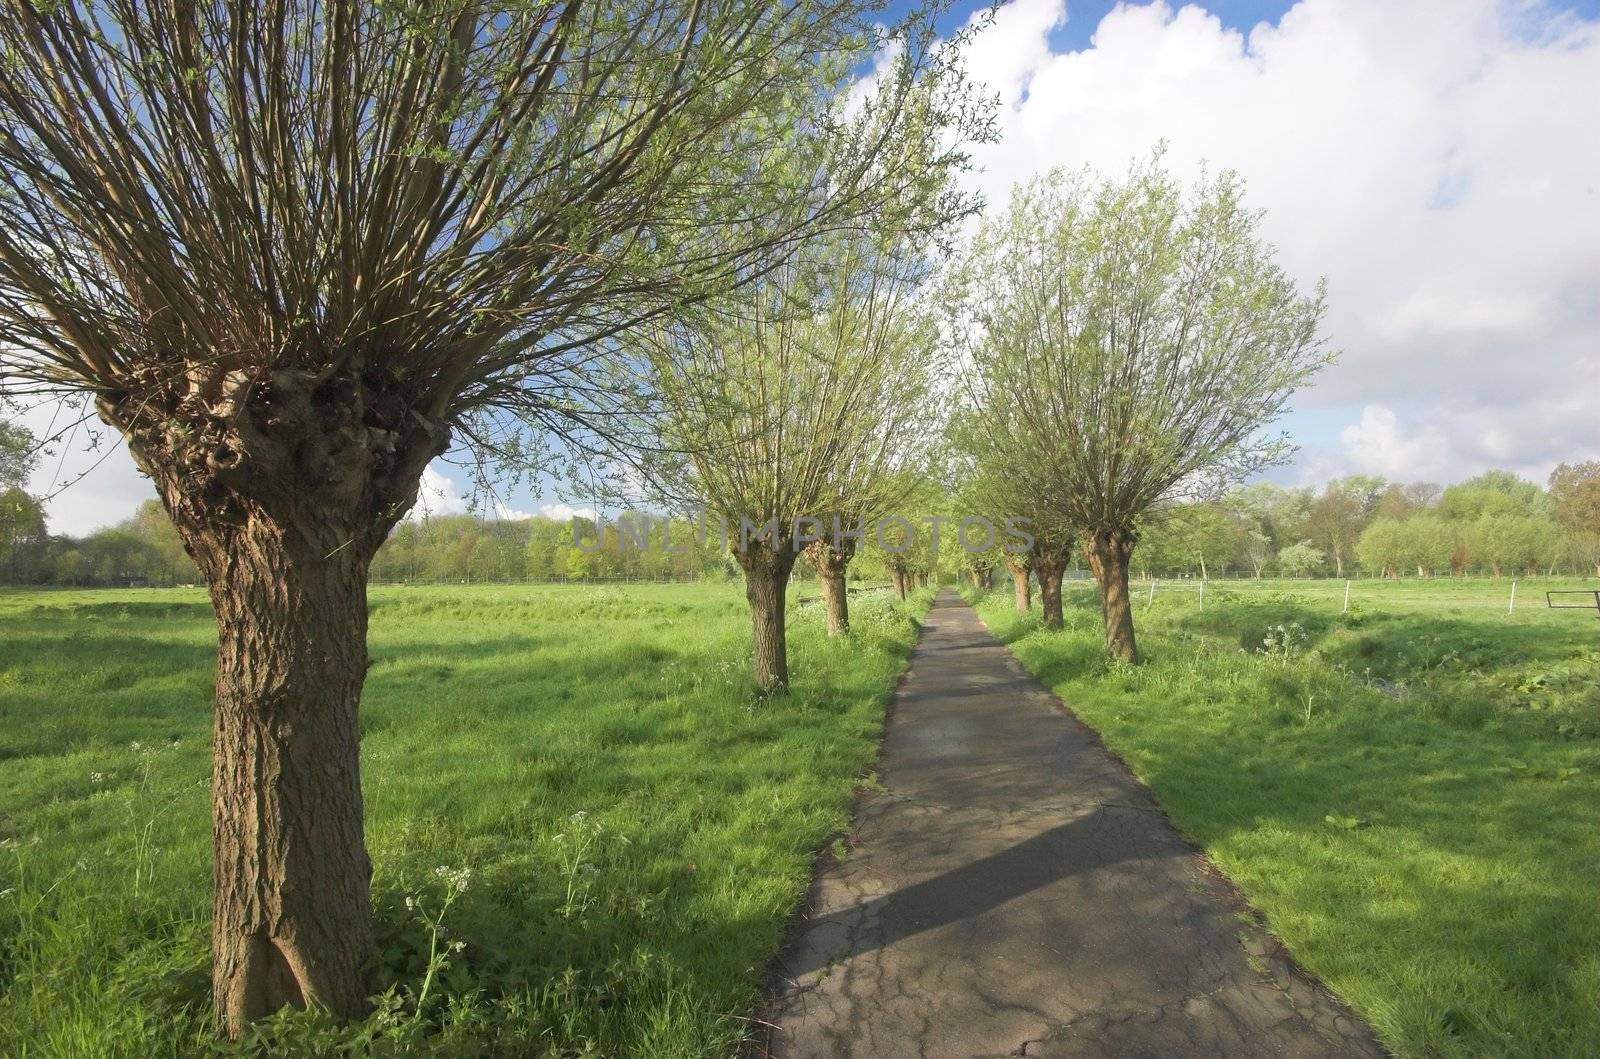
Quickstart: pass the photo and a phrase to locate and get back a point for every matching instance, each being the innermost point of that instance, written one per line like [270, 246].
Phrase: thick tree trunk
[1108, 551]
[766, 583]
[1338, 563]
[281, 489]
[831, 563]
[1019, 567]
[1050, 569]
[898, 578]
[292, 923]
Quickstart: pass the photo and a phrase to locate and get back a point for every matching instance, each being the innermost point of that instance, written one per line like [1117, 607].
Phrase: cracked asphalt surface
[1014, 891]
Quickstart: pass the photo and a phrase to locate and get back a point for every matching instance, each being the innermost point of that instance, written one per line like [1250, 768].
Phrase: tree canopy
[1137, 339]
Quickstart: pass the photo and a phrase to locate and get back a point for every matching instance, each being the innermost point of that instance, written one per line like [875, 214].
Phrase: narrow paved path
[1014, 891]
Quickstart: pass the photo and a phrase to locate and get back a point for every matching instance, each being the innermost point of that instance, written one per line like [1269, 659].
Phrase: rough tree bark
[831, 561]
[1050, 567]
[1108, 551]
[898, 577]
[766, 582]
[282, 490]
[1021, 565]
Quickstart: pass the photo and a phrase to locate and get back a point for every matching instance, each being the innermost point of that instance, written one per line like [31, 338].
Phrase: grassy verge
[1408, 792]
[587, 833]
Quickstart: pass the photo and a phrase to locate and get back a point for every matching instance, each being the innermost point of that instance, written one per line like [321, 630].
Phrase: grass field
[1409, 792]
[587, 833]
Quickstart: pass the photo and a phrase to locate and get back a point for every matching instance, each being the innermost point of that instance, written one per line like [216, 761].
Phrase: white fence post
[1152, 599]
[1346, 597]
[1202, 595]
[1511, 608]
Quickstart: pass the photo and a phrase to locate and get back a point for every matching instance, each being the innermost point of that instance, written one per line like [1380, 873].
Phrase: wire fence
[1507, 595]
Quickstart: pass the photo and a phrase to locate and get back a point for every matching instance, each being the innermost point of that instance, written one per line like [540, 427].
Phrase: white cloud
[439, 495]
[563, 512]
[436, 496]
[1437, 160]
[1378, 445]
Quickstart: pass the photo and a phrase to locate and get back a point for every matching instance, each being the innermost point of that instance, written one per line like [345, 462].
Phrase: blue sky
[1084, 15]
[1437, 162]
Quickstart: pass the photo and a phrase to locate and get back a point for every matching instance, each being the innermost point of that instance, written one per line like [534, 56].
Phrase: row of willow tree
[293, 252]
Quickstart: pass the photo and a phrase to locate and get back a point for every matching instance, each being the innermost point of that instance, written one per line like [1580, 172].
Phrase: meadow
[587, 832]
[1407, 792]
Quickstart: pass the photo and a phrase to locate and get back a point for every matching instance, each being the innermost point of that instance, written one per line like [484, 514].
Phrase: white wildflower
[455, 879]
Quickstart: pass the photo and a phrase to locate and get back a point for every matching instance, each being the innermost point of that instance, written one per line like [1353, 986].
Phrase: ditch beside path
[1013, 890]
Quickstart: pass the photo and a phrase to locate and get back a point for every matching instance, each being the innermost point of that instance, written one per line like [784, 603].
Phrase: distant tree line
[145, 550]
[1495, 524]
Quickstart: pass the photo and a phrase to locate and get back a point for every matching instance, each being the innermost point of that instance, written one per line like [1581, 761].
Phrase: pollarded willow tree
[988, 477]
[294, 248]
[1140, 339]
[799, 405]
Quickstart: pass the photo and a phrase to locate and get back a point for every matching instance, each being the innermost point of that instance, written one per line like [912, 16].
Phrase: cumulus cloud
[439, 495]
[1378, 445]
[436, 496]
[563, 512]
[1438, 161]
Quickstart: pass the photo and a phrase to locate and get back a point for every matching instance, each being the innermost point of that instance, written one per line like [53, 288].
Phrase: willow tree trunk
[1108, 552]
[282, 489]
[766, 584]
[831, 560]
[898, 578]
[1020, 566]
[291, 916]
[1050, 570]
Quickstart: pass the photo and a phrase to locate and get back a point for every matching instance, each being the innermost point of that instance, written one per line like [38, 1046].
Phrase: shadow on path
[1014, 891]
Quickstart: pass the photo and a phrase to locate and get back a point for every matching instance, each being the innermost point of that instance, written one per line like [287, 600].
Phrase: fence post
[1511, 607]
[1346, 597]
[1152, 599]
[1202, 595]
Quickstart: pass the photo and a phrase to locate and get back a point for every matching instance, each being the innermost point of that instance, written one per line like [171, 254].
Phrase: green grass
[1408, 792]
[637, 824]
